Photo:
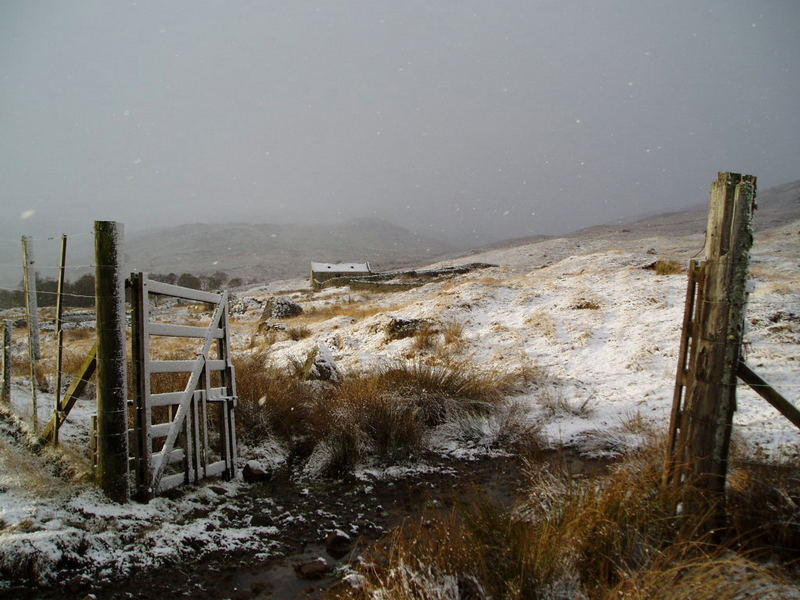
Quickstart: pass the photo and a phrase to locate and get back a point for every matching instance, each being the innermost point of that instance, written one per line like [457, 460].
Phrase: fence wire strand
[50, 293]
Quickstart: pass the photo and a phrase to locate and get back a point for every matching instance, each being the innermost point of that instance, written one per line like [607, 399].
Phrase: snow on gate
[184, 435]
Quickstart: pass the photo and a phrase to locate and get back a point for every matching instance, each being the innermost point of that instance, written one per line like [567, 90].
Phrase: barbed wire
[58, 236]
[49, 293]
[35, 265]
[56, 267]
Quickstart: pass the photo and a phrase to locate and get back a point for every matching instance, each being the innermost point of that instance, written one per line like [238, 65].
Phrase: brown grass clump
[384, 414]
[543, 323]
[764, 503]
[79, 334]
[272, 401]
[719, 576]
[426, 336]
[71, 361]
[298, 333]
[585, 305]
[668, 267]
[355, 311]
[28, 471]
[614, 536]
[556, 404]
[453, 332]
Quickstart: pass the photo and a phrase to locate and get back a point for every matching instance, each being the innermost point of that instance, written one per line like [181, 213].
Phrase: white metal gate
[173, 441]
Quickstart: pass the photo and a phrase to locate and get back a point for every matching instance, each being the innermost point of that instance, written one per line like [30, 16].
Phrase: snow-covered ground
[598, 333]
[603, 332]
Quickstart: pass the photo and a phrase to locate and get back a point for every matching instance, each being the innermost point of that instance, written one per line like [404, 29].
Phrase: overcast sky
[459, 118]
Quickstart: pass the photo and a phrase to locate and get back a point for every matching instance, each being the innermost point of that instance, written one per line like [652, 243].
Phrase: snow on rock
[281, 307]
[321, 365]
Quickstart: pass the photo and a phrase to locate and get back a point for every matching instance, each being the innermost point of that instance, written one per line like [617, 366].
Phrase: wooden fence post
[112, 385]
[5, 392]
[140, 345]
[32, 317]
[712, 373]
[29, 282]
[59, 334]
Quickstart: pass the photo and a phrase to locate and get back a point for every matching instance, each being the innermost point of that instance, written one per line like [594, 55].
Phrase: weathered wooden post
[59, 334]
[5, 392]
[112, 385]
[31, 306]
[140, 345]
[711, 382]
[32, 317]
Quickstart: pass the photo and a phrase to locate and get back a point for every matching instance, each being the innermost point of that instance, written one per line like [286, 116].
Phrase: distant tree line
[80, 293]
[213, 282]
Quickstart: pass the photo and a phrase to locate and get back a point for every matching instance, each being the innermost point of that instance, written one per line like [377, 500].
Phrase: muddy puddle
[310, 556]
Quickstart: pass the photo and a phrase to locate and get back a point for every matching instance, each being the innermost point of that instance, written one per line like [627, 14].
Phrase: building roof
[318, 267]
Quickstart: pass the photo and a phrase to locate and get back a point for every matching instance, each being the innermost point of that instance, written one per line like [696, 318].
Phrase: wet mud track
[306, 513]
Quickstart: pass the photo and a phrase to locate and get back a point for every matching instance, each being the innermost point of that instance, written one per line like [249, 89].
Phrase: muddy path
[310, 556]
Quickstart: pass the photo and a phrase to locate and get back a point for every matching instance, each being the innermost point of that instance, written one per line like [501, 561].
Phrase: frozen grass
[719, 575]
[453, 332]
[555, 404]
[616, 536]
[543, 323]
[384, 415]
[30, 464]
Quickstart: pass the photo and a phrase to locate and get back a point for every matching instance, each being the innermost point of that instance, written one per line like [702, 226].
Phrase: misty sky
[463, 119]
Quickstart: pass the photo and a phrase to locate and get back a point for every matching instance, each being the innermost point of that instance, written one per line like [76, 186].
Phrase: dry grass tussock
[555, 404]
[298, 333]
[433, 337]
[698, 576]
[353, 310]
[543, 323]
[764, 503]
[79, 334]
[27, 471]
[382, 415]
[453, 332]
[28, 464]
[668, 267]
[426, 337]
[72, 360]
[615, 536]
[584, 304]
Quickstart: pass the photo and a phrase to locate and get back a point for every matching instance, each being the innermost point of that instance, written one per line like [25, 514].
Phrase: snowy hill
[266, 251]
[602, 329]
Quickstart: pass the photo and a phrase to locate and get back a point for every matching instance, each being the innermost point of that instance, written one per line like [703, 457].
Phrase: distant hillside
[776, 206]
[264, 252]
